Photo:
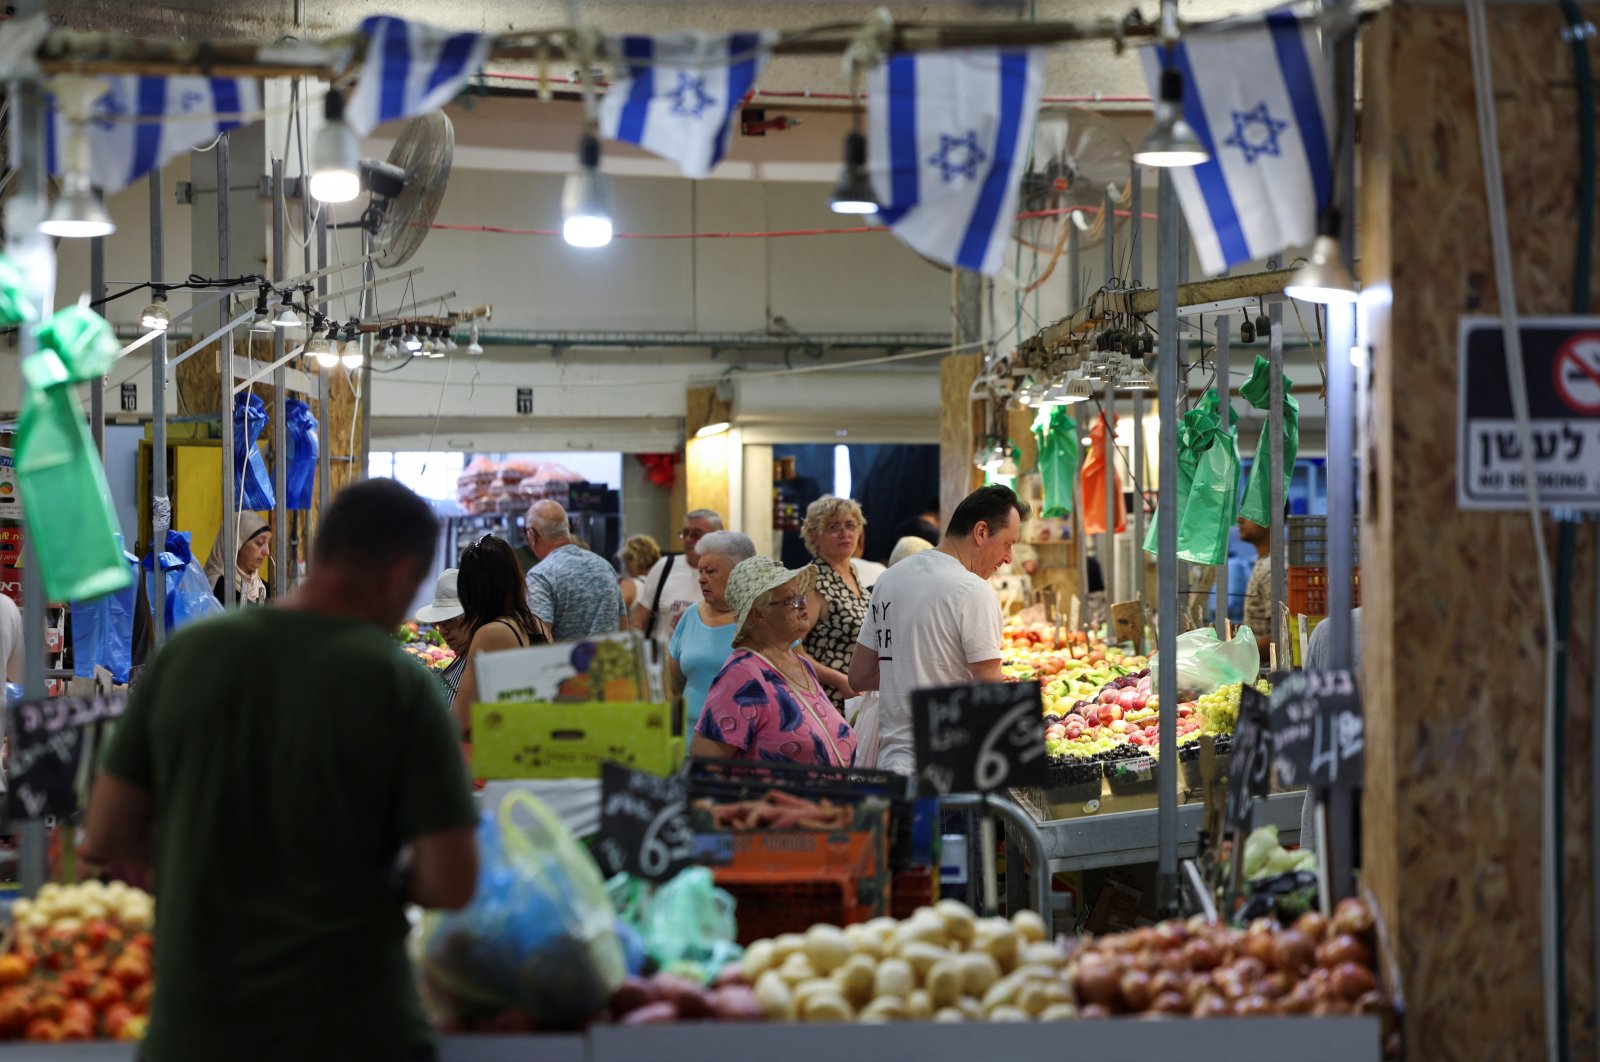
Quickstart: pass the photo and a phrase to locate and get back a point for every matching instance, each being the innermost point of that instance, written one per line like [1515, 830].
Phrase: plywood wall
[1453, 633]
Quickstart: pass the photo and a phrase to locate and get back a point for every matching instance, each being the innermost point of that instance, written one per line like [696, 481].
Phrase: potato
[927, 929]
[922, 956]
[797, 968]
[692, 1000]
[816, 986]
[827, 1006]
[1031, 925]
[1032, 998]
[777, 1001]
[959, 921]
[972, 1008]
[1008, 1014]
[1001, 941]
[1058, 992]
[1037, 972]
[758, 959]
[893, 977]
[1059, 1012]
[919, 1005]
[1002, 993]
[864, 941]
[885, 1008]
[855, 979]
[785, 945]
[827, 947]
[1043, 955]
[948, 1016]
[979, 970]
[736, 1003]
[882, 926]
[943, 981]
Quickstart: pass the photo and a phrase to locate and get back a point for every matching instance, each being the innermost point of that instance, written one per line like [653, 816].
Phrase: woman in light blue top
[703, 639]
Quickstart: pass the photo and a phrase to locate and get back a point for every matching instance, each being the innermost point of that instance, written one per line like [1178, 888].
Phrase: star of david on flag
[674, 94]
[411, 69]
[948, 141]
[1259, 94]
[196, 110]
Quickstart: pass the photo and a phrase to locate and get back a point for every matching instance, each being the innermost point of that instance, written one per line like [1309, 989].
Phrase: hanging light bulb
[586, 199]
[319, 348]
[412, 341]
[1172, 143]
[156, 317]
[335, 156]
[352, 356]
[1008, 468]
[1324, 278]
[78, 212]
[473, 346]
[390, 349]
[1137, 378]
[1079, 389]
[1056, 393]
[447, 342]
[262, 321]
[288, 316]
[854, 193]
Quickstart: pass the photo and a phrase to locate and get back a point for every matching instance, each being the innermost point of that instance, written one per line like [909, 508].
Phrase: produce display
[942, 964]
[79, 964]
[1122, 719]
[426, 645]
[777, 810]
[1315, 965]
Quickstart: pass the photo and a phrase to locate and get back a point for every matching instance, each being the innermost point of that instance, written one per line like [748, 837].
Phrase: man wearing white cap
[443, 614]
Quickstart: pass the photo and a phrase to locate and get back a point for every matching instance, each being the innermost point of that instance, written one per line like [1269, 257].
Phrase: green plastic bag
[66, 503]
[1213, 500]
[1056, 432]
[1257, 504]
[1196, 425]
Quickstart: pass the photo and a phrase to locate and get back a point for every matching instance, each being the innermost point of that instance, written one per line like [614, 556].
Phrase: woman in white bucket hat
[443, 614]
[767, 703]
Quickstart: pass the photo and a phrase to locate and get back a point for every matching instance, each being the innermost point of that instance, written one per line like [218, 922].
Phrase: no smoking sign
[1578, 373]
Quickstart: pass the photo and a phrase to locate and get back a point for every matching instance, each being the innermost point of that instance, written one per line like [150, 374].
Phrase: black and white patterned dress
[832, 642]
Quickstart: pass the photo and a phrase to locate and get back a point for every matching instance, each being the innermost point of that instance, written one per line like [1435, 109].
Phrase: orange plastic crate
[1308, 591]
[912, 889]
[770, 903]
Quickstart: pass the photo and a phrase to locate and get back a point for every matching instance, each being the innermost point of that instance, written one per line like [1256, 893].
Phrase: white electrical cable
[1494, 191]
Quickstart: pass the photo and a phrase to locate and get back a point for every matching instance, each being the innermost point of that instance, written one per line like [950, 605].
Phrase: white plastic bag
[867, 731]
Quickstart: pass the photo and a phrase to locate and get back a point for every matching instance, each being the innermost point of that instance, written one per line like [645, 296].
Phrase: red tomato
[43, 1030]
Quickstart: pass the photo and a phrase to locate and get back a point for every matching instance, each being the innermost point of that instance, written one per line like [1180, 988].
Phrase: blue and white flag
[411, 69]
[675, 93]
[195, 110]
[1258, 93]
[948, 141]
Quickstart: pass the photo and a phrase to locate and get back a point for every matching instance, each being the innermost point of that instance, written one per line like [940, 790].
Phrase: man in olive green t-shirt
[294, 781]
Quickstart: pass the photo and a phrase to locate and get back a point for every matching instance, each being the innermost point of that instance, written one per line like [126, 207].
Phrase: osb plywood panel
[1453, 636]
[958, 430]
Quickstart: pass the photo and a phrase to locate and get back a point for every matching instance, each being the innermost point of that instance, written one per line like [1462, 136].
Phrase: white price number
[994, 767]
[666, 841]
[1344, 739]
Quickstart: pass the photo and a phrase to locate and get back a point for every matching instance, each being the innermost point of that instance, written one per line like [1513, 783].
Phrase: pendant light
[78, 212]
[156, 317]
[1172, 144]
[854, 193]
[335, 156]
[1324, 277]
[586, 199]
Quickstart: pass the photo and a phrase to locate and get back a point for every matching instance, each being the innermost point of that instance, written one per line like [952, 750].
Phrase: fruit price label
[51, 743]
[1318, 730]
[1250, 765]
[979, 739]
[644, 824]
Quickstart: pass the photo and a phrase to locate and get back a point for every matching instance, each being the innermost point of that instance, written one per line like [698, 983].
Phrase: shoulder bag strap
[655, 606]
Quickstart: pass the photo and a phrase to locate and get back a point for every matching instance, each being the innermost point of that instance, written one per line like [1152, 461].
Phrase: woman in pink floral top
[767, 703]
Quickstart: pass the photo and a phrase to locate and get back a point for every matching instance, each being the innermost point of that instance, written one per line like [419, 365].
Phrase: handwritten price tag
[644, 824]
[978, 739]
[1249, 766]
[48, 739]
[1319, 730]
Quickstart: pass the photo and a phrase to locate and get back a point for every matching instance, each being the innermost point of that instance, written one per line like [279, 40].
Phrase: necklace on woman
[801, 683]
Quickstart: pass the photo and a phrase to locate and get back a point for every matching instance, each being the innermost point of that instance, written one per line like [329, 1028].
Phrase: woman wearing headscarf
[245, 559]
[767, 703]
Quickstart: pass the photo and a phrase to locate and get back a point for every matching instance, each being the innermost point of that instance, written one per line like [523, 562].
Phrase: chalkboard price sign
[644, 824]
[978, 739]
[1318, 730]
[48, 743]
[1250, 765]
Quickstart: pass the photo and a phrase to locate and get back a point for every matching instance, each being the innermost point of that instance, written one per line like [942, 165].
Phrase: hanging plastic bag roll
[252, 483]
[1095, 469]
[301, 478]
[1213, 495]
[102, 630]
[1257, 504]
[1056, 433]
[66, 503]
[1194, 429]
[186, 594]
[1205, 661]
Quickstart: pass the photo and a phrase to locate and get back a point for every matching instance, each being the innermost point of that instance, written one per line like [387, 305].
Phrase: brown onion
[1372, 1003]
[1169, 1003]
[1094, 1010]
[1353, 981]
[1313, 925]
[1259, 946]
[1136, 993]
[1171, 934]
[1227, 982]
[1325, 1007]
[1095, 981]
[1275, 984]
[1249, 968]
[1202, 954]
[1212, 1006]
[1353, 916]
[1292, 952]
[1254, 1007]
[1343, 948]
[1166, 981]
[1301, 998]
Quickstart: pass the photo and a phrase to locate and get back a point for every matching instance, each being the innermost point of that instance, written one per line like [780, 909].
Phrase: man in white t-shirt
[673, 584]
[934, 620]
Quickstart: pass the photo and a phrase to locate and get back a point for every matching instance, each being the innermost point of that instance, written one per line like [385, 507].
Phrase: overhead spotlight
[1008, 468]
[473, 346]
[156, 317]
[412, 341]
[288, 316]
[586, 199]
[319, 348]
[1137, 378]
[709, 430]
[1324, 278]
[78, 212]
[262, 321]
[1172, 144]
[1079, 389]
[335, 156]
[1056, 393]
[854, 193]
[352, 357]
[446, 340]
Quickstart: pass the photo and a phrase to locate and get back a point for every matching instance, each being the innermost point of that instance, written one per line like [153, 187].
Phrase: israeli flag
[193, 111]
[948, 140]
[1258, 93]
[411, 69]
[675, 93]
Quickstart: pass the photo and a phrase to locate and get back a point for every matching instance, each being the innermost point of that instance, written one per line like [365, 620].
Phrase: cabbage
[1259, 848]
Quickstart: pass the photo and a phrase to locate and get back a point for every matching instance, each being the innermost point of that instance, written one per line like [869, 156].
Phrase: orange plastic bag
[1094, 484]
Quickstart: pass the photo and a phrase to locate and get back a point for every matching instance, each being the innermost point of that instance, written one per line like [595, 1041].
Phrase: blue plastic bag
[301, 477]
[252, 484]
[185, 594]
[102, 629]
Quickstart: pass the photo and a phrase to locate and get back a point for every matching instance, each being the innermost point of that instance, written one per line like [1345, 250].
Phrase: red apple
[1185, 710]
[1110, 713]
[1074, 732]
[1109, 696]
[1138, 739]
[1128, 700]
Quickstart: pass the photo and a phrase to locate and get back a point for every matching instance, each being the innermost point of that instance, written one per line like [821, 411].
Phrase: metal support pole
[1079, 525]
[1168, 400]
[1108, 542]
[1136, 280]
[369, 306]
[1279, 527]
[1224, 342]
[97, 294]
[1341, 335]
[230, 518]
[160, 505]
[324, 415]
[280, 406]
[1074, 267]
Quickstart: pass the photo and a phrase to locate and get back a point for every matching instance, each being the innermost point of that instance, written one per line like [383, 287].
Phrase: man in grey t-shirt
[572, 589]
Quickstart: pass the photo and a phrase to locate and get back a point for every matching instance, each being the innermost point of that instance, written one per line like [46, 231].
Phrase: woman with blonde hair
[638, 555]
[832, 527]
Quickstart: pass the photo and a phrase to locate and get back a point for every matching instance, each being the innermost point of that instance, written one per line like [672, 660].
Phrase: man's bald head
[548, 529]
